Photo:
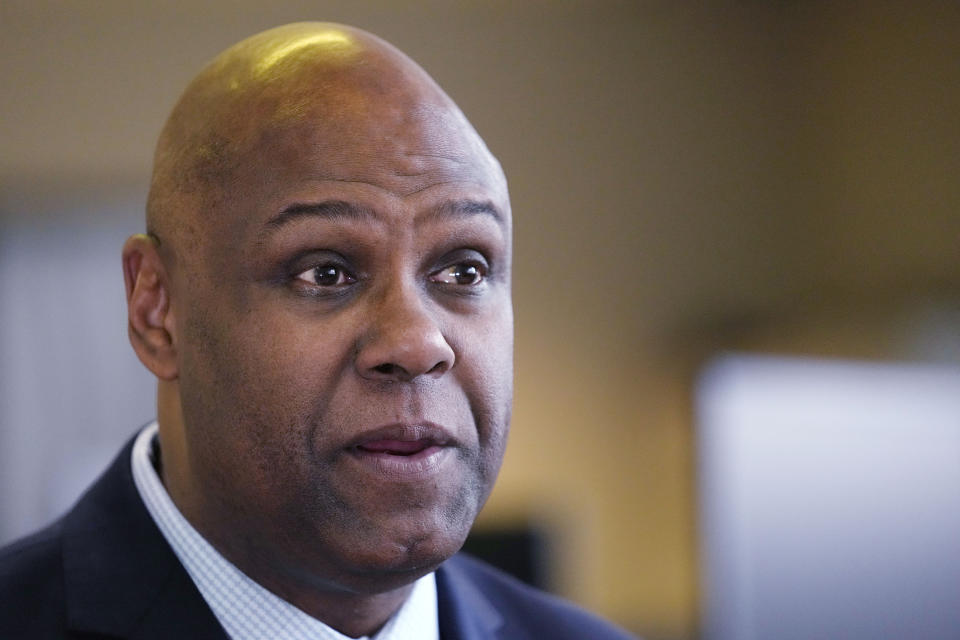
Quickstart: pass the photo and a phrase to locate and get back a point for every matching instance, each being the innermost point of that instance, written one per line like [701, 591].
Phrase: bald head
[342, 82]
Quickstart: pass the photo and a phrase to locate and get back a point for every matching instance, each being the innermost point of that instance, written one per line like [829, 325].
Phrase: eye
[464, 273]
[326, 275]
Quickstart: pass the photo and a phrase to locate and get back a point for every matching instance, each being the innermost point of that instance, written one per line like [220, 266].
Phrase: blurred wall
[685, 177]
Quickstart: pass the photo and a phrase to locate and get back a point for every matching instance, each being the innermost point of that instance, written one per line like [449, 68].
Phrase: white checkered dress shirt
[245, 609]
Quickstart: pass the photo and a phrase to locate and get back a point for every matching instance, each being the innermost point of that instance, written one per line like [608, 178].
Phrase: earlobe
[149, 315]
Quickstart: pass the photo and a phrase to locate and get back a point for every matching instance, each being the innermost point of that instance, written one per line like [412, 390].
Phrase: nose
[403, 340]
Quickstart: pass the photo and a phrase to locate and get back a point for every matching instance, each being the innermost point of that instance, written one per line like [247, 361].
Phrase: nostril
[385, 368]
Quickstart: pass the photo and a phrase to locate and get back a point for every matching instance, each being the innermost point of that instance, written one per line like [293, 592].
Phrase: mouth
[403, 452]
[404, 448]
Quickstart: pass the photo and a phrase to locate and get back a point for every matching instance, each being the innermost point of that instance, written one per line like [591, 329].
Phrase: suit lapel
[121, 577]
[464, 612]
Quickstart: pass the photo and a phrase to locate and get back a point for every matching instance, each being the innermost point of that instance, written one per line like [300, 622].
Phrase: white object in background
[71, 388]
[830, 500]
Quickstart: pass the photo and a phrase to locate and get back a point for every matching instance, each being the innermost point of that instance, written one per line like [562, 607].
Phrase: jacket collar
[465, 612]
[121, 577]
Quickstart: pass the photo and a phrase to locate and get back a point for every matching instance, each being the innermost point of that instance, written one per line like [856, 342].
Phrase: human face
[345, 368]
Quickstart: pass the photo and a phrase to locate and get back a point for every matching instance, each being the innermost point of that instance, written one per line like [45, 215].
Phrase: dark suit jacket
[105, 570]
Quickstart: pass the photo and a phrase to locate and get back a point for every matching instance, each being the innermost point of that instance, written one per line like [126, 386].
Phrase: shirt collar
[247, 610]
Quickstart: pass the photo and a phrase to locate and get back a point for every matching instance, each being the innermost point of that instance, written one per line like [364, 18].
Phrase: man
[324, 297]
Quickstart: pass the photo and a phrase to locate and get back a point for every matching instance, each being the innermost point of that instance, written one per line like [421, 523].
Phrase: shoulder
[29, 561]
[525, 611]
[32, 585]
[35, 574]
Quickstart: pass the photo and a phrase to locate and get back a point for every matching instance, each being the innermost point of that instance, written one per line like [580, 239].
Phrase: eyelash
[342, 274]
[478, 270]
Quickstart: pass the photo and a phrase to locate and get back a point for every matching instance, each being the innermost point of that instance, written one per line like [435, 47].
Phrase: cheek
[257, 380]
[487, 374]
[492, 343]
[249, 410]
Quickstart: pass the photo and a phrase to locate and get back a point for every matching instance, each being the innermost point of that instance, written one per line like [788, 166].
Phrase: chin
[423, 552]
[392, 563]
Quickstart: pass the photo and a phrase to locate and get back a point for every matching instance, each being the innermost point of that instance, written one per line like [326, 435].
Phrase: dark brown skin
[330, 254]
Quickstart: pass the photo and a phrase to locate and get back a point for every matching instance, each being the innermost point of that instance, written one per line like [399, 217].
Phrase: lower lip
[422, 465]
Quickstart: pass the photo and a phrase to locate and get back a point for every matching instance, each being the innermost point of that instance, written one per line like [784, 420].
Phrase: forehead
[407, 158]
[399, 150]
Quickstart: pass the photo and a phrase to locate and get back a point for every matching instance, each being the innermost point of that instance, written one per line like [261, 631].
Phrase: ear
[151, 325]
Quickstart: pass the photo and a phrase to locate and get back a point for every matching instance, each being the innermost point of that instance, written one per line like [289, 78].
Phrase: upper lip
[428, 433]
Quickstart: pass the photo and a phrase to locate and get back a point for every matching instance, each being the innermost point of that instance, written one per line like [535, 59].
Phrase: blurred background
[737, 286]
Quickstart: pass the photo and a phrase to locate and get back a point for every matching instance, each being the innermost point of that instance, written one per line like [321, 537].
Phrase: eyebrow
[468, 209]
[342, 210]
[329, 209]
